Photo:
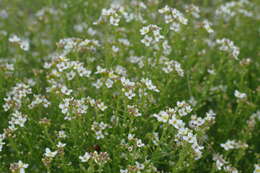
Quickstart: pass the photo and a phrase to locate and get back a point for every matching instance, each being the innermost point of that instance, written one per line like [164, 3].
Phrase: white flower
[113, 15]
[101, 106]
[98, 84]
[19, 166]
[207, 25]
[257, 168]
[14, 38]
[130, 136]
[99, 129]
[2, 137]
[65, 90]
[70, 75]
[164, 9]
[240, 95]
[17, 119]
[228, 145]
[61, 134]
[115, 49]
[173, 17]
[139, 143]
[228, 46]
[175, 27]
[144, 30]
[151, 34]
[60, 145]
[147, 40]
[140, 166]
[123, 171]
[23, 43]
[130, 94]
[49, 153]
[22, 166]
[109, 83]
[133, 110]
[149, 85]
[232, 144]
[85, 157]
[163, 116]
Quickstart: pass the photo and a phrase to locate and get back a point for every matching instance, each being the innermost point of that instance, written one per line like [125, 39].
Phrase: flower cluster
[228, 46]
[257, 168]
[136, 141]
[222, 164]
[132, 145]
[99, 158]
[18, 167]
[43, 13]
[60, 69]
[193, 10]
[207, 25]
[170, 65]
[23, 43]
[39, 99]
[48, 156]
[99, 129]
[133, 110]
[17, 119]
[97, 104]
[151, 35]
[233, 8]
[232, 144]
[198, 123]
[172, 116]
[97, 86]
[6, 66]
[148, 83]
[71, 106]
[253, 120]
[78, 45]
[139, 167]
[128, 87]
[15, 96]
[111, 15]
[173, 17]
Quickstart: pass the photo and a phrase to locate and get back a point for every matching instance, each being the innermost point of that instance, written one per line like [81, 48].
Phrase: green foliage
[129, 86]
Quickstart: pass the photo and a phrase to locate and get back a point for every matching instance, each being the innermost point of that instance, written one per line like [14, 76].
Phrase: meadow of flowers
[130, 86]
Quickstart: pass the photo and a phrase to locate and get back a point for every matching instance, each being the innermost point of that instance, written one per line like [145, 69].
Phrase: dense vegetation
[129, 86]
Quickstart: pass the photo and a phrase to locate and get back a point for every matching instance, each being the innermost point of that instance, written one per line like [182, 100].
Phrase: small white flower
[139, 143]
[257, 168]
[144, 30]
[19, 166]
[240, 95]
[115, 49]
[65, 90]
[22, 166]
[23, 43]
[130, 136]
[140, 166]
[207, 25]
[61, 145]
[123, 171]
[109, 83]
[49, 153]
[61, 134]
[85, 157]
